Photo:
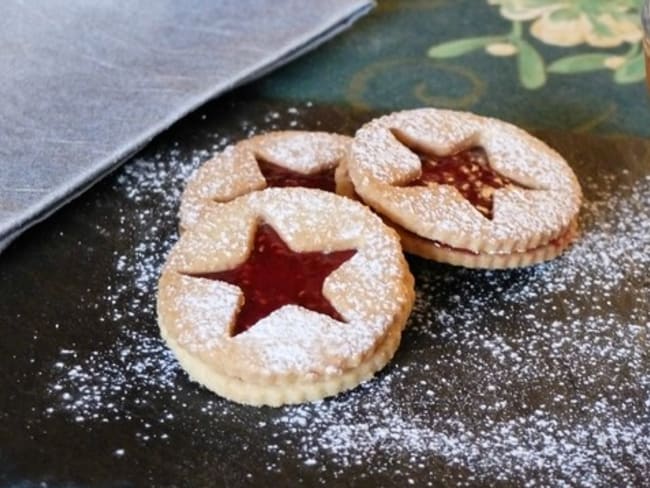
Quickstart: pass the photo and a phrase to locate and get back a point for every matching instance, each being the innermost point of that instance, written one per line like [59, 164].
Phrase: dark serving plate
[503, 378]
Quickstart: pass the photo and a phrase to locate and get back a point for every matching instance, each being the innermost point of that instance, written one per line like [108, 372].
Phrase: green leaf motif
[532, 71]
[565, 14]
[459, 47]
[578, 64]
[600, 28]
[632, 71]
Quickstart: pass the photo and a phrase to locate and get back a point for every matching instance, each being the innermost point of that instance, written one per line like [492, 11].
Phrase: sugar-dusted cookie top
[469, 182]
[275, 159]
[252, 251]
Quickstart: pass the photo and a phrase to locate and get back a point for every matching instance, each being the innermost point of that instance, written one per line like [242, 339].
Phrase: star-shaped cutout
[273, 276]
[468, 171]
[278, 176]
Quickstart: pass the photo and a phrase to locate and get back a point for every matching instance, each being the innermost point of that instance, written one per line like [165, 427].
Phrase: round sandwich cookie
[463, 189]
[285, 296]
[275, 159]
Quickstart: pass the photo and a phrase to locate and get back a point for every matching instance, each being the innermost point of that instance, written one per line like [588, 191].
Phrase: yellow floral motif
[614, 62]
[501, 49]
[608, 23]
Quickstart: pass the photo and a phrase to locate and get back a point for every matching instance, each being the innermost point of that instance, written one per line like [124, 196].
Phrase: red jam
[281, 177]
[274, 276]
[468, 171]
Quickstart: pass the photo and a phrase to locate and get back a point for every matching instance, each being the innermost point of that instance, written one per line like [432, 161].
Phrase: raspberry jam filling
[273, 276]
[468, 171]
[278, 176]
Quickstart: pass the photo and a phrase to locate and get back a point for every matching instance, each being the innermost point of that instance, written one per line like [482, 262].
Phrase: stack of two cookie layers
[463, 189]
[456, 188]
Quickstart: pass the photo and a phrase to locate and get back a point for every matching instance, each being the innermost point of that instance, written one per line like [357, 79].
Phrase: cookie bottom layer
[427, 249]
[279, 393]
[435, 251]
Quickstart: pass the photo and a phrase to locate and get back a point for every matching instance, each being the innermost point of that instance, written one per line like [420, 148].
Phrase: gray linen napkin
[85, 84]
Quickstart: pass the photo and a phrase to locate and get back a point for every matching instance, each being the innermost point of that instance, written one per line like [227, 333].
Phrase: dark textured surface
[58, 308]
[86, 84]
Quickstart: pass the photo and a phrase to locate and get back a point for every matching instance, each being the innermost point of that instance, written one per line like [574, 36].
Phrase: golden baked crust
[344, 185]
[289, 392]
[235, 171]
[524, 218]
[425, 248]
[293, 354]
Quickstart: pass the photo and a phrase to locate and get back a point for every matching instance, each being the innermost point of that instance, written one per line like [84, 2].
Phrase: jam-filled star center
[468, 170]
[273, 275]
[281, 177]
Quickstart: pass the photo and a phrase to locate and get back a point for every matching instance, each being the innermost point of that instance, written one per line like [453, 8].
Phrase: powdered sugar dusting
[527, 377]
[319, 343]
[100, 385]
[380, 163]
[227, 175]
[538, 387]
[525, 159]
[303, 152]
[204, 311]
[235, 171]
[307, 220]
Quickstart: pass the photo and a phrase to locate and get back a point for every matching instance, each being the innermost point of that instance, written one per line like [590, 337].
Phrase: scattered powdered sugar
[517, 449]
[99, 386]
[531, 377]
[552, 384]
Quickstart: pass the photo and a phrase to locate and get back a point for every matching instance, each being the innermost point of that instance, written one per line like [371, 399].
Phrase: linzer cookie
[270, 299]
[464, 189]
[275, 159]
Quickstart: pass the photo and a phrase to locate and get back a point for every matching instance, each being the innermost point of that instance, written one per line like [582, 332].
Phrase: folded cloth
[86, 84]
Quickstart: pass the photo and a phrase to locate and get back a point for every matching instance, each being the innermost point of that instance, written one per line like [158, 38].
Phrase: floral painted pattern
[604, 25]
